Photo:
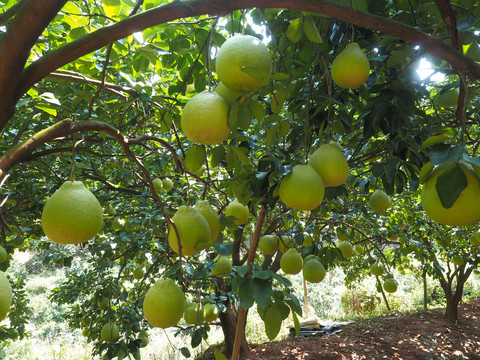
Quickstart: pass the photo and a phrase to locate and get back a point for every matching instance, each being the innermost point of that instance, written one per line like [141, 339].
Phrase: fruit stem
[72, 166]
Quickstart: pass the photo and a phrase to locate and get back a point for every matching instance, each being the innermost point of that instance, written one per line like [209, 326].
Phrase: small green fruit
[330, 163]
[268, 244]
[390, 285]
[211, 312]
[346, 248]
[379, 201]
[157, 184]
[313, 271]
[109, 332]
[291, 262]
[458, 260]
[223, 266]
[238, 210]
[138, 273]
[167, 184]
[377, 269]
[3, 254]
[359, 249]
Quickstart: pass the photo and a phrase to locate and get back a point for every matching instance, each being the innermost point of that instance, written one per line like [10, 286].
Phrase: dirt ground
[395, 336]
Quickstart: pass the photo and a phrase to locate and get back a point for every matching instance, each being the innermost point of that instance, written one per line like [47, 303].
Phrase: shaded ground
[395, 336]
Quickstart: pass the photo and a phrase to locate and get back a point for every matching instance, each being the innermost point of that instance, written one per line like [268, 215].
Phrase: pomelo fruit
[390, 285]
[346, 248]
[475, 238]
[238, 210]
[138, 273]
[104, 301]
[223, 266]
[313, 271]
[211, 312]
[302, 189]
[351, 67]
[448, 99]
[167, 184]
[109, 332]
[226, 93]
[291, 262]
[194, 314]
[6, 296]
[268, 244]
[465, 210]
[164, 304]
[458, 260]
[377, 269]
[72, 215]
[86, 332]
[143, 337]
[157, 184]
[205, 119]
[330, 163]
[209, 213]
[359, 249]
[342, 233]
[379, 201]
[238, 58]
[193, 229]
[3, 254]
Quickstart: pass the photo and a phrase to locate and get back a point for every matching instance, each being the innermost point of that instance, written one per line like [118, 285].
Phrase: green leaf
[217, 156]
[449, 186]
[295, 30]
[49, 109]
[195, 157]
[443, 153]
[311, 30]
[257, 72]
[262, 291]
[272, 134]
[245, 293]
[280, 76]
[185, 352]
[283, 309]
[218, 355]
[196, 338]
[277, 100]
[224, 248]
[256, 109]
[243, 270]
[273, 322]
[296, 323]
[282, 280]
[112, 8]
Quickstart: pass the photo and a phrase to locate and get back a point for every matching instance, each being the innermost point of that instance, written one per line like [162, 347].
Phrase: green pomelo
[379, 201]
[193, 229]
[238, 210]
[194, 314]
[313, 271]
[109, 332]
[377, 269]
[209, 213]
[3, 254]
[167, 184]
[205, 119]
[342, 233]
[138, 273]
[164, 304]
[157, 184]
[390, 285]
[465, 210]
[291, 262]
[240, 57]
[330, 163]
[448, 99]
[268, 244]
[226, 93]
[302, 189]
[6, 296]
[458, 260]
[223, 266]
[72, 215]
[211, 312]
[346, 248]
[351, 67]
[359, 249]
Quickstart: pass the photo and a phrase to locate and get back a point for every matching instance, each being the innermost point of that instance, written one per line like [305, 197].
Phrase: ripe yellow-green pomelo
[238, 210]
[379, 201]
[346, 248]
[330, 163]
[194, 314]
[302, 189]
[209, 213]
[465, 210]
[377, 269]
[205, 119]
[109, 332]
[291, 262]
[164, 304]
[3, 254]
[138, 273]
[351, 67]
[157, 184]
[86, 332]
[211, 312]
[268, 244]
[457, 260]
[390, 285]
[248, 53]
[359, 249]
[167, 184]
[193, 229]
[72, 215]
[226, 93]
[448, 99]
[223, 266]
[313, 271]
[6, 296]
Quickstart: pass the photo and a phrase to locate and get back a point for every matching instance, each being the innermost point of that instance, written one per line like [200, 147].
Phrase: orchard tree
[95, 92]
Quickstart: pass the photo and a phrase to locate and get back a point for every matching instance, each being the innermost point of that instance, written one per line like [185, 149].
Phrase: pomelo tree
[94, 91]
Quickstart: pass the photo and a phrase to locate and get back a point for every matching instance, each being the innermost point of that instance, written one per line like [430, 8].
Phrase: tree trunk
[228, 322]
[451, 311]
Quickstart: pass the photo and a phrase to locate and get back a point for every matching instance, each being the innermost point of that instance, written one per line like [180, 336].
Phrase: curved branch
[181, 9]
